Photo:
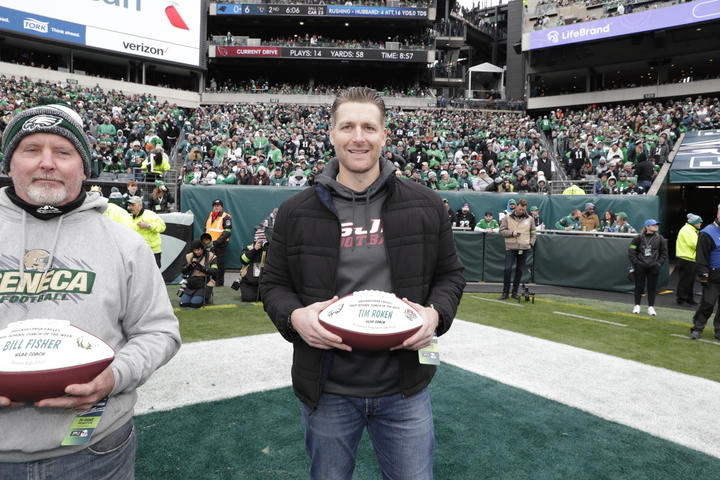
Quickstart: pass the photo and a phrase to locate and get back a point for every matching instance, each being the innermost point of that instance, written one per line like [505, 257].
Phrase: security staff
[708, 264]
[219, 226]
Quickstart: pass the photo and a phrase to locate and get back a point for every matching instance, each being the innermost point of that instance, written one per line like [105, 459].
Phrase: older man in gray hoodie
[63, 259]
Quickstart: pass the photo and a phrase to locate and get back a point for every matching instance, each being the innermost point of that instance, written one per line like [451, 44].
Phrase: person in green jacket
[488, 224]
[447, 182]
[571, 222]
[149, 225]
[685, 247]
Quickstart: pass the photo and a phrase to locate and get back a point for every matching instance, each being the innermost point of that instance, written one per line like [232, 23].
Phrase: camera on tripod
[527, 294]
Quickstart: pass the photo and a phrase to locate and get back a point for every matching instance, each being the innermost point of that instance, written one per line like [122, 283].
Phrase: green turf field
[607, 328]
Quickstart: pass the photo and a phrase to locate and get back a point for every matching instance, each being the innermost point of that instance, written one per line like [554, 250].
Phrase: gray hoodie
[363, 265]
[102, 277]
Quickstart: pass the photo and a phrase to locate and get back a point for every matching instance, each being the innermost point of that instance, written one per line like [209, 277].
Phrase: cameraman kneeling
[201, 266]
[253, 260]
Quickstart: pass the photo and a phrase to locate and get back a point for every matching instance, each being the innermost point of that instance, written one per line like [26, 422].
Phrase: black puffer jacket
[302, 265]
[658, 250]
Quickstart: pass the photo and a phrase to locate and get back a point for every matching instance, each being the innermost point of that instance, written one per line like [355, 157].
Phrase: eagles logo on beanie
[56, 119]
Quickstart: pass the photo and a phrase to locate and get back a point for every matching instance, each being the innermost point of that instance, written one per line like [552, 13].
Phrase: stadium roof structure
[698, 160]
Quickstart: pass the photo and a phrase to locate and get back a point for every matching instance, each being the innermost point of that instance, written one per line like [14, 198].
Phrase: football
[371, 320]
[39, 358]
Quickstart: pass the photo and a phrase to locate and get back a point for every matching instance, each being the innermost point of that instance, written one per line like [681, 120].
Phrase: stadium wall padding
[574, 261]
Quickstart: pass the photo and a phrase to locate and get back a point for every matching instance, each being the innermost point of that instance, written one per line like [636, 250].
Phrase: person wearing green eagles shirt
[107, 127]
[447, 182]
[571, 222]
[222, 150]
[260, 140]
[274, 154]
[488, 224]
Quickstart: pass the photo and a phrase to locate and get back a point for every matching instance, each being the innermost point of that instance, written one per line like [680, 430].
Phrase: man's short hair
[522, 203]
[358, 95]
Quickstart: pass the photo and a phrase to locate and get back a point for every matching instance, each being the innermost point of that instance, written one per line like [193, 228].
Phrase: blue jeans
[400, 429]
[112, 458]
[510, 257]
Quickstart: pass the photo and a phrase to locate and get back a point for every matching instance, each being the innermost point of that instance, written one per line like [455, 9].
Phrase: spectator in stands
[544, 164]
[279, 179]
[645, 171]
[116, 165]
[505, 186]
[243, 178]
[482, 181]
[661, 152]
[446, 181]
[615, 154]
[577, 155]
[622, 182]
[608, 224]
[622, 225]
[571, 222]
[628, 169]
[465, 218]
[226, 176]
[261, 177]
[432, 182]
[298, 179]
[488, 224]
[195, 177]
[132, 190]
[450, 211]
[535, 214]
[600, 183]
[589, 220]
[611, 187]
[542, 186]
[633, 188]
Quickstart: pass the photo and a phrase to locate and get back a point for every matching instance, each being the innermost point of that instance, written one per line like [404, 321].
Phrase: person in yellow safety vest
[219, 226]
[149, 225]
[685, 248]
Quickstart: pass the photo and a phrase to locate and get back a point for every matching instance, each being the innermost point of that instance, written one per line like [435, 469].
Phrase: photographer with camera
[200, 269]
[253, 260]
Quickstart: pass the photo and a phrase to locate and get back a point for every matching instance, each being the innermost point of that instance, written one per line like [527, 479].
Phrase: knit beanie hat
[57, 119]
[694, 219]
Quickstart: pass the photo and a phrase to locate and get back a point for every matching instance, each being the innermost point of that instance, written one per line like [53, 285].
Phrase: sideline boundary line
[497, 301]
[588, 318]
[687, 337]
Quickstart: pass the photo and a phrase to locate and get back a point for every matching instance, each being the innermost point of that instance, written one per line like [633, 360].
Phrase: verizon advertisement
[316, 53]
[162, 30]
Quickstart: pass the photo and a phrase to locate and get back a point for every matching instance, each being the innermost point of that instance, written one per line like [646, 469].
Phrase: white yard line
[588, 318]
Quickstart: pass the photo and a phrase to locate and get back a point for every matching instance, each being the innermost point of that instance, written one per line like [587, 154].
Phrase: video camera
[527, 294]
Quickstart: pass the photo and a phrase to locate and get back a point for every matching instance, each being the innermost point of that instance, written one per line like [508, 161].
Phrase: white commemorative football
[371, 320]
[40, 358]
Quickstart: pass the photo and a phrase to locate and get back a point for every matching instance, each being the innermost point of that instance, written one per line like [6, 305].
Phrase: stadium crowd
[444, 148]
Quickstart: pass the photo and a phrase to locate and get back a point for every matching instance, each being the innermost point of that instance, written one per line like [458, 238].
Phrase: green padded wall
[574, 261]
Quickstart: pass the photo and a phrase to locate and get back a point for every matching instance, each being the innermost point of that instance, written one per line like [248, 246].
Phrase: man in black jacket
[362, 228]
